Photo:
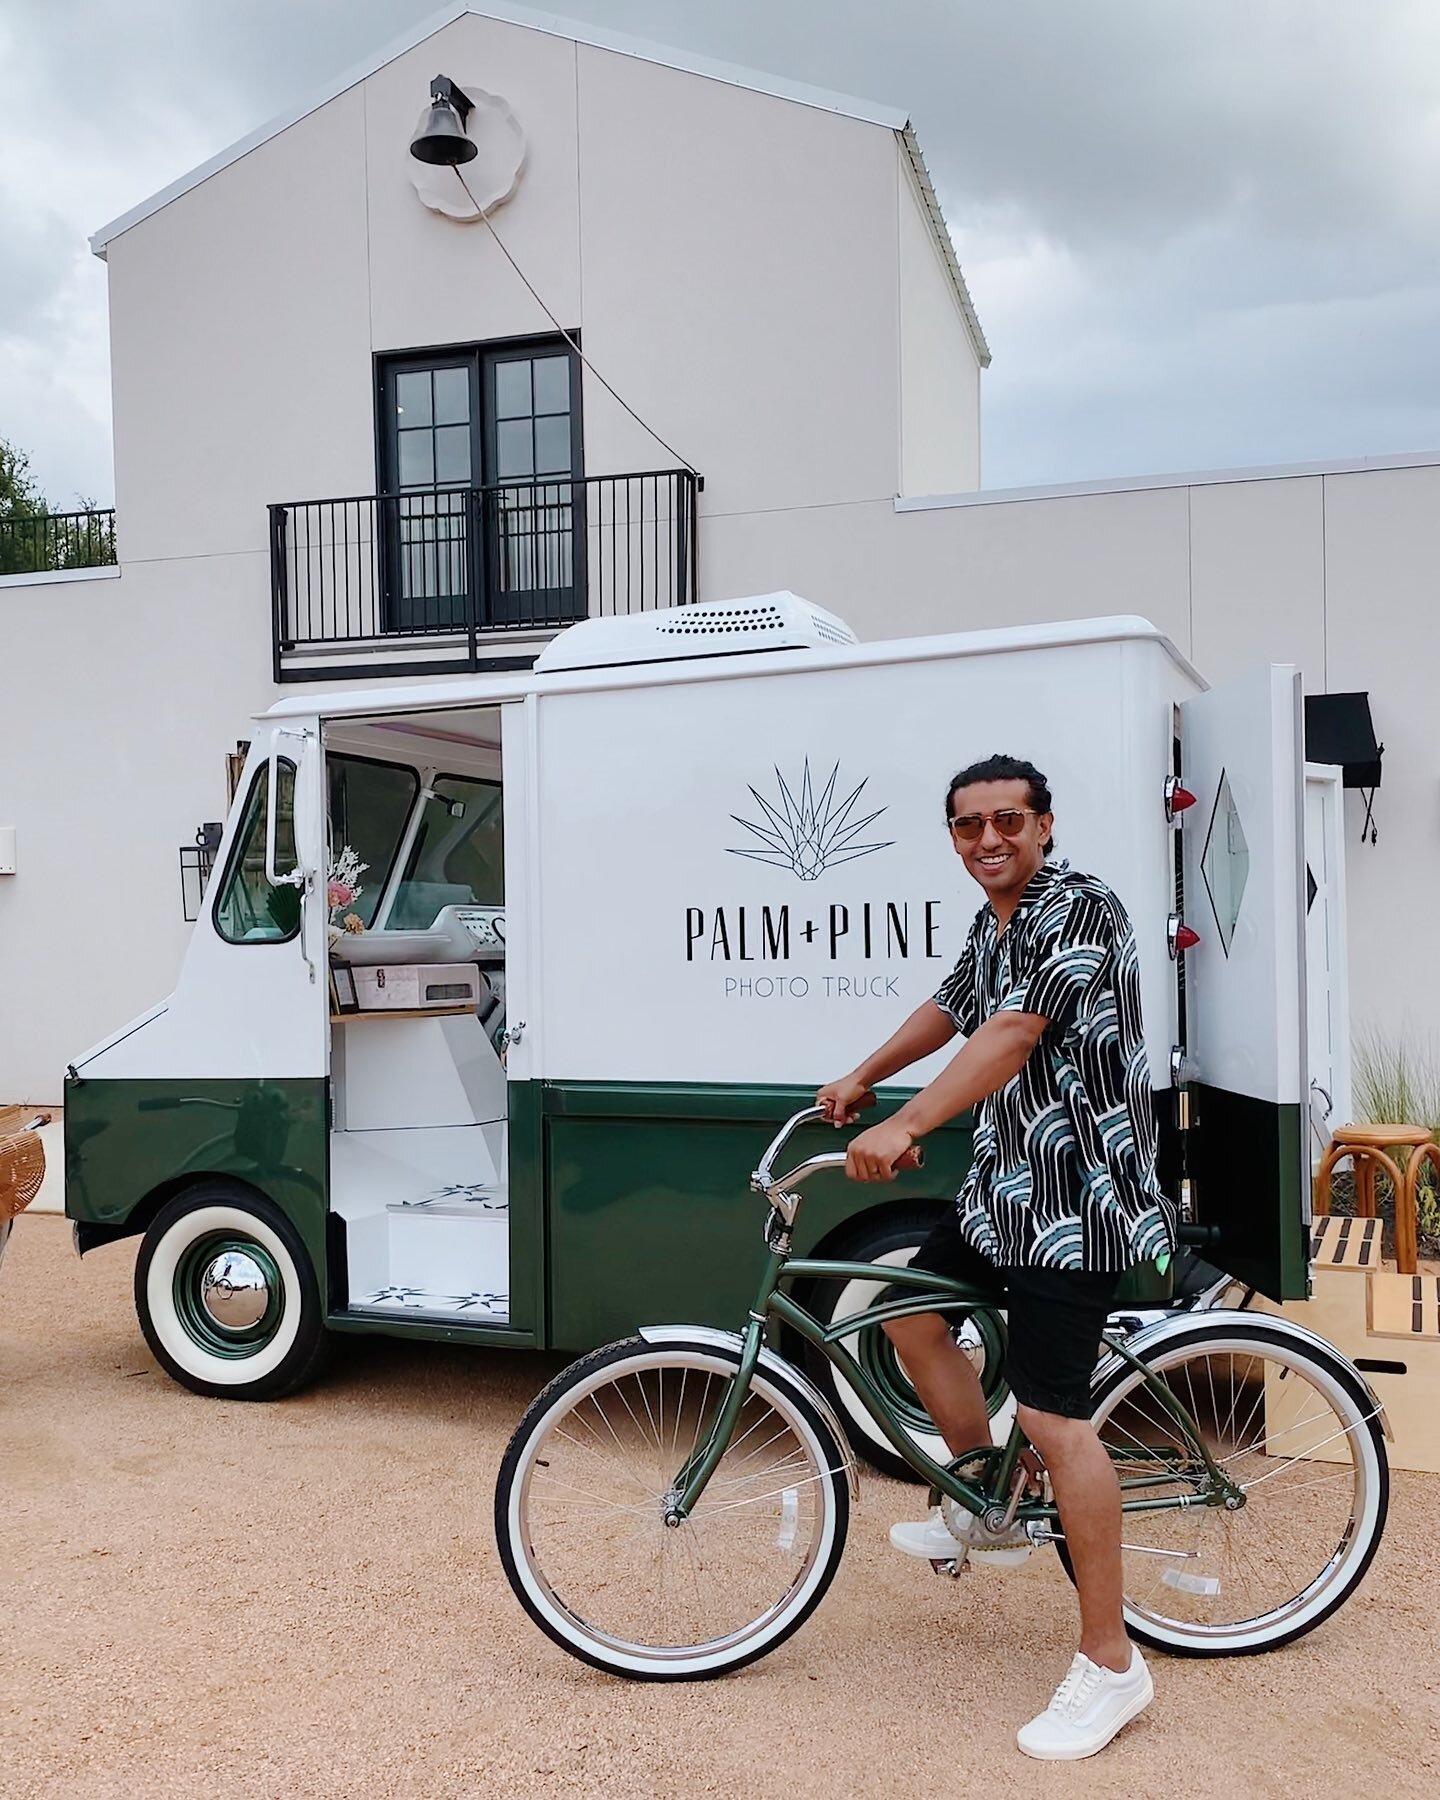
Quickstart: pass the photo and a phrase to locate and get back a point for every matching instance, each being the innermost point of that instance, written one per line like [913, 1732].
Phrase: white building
[350, 442]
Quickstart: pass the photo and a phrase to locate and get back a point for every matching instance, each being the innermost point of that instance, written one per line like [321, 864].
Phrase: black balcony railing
[436, 581]
[50, 543]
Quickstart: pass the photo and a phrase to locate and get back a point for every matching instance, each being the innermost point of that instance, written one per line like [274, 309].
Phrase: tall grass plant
[1396, 1081]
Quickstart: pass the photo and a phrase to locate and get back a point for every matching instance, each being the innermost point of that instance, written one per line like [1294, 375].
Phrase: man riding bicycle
[1060, 1200]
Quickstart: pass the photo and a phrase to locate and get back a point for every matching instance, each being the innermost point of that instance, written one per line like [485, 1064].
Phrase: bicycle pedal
[953, 1566]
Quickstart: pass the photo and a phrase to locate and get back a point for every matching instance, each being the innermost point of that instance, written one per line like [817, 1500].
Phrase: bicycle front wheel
[585, 1485]
[1293, 1430]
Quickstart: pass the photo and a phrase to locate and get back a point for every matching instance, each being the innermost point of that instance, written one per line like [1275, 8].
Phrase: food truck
[502, 983]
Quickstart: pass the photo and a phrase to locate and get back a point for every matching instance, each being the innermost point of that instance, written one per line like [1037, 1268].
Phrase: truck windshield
[458, 857]
[369, 805]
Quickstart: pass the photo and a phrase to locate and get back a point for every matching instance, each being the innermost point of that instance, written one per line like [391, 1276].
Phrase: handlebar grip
[914, 1158]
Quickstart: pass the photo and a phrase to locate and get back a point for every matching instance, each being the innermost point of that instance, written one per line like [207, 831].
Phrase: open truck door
[1241, 755]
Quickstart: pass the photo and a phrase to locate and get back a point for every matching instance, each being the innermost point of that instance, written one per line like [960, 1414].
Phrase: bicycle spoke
[1289, 1448]
[597, 1495]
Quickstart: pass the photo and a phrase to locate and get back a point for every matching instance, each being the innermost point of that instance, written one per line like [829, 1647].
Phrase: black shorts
[1055, 1317]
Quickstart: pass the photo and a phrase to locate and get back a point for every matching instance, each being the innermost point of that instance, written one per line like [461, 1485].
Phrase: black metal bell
[440, 137]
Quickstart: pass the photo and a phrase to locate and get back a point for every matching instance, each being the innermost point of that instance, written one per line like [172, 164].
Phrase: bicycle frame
[999, 1502]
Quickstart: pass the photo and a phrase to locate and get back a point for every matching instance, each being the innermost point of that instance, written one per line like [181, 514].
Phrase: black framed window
[482, 508]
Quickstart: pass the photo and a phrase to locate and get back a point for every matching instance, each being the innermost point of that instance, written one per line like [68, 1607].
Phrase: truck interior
[418, 1163]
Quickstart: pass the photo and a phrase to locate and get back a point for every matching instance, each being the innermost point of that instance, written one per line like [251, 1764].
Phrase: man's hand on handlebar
[844, 1100]
[877, 1154]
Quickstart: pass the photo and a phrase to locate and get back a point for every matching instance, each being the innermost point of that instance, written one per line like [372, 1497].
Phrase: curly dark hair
[1005, 768]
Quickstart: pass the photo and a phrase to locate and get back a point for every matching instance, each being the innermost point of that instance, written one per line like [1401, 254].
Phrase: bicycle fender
[774, 1364]
[1155, 1332]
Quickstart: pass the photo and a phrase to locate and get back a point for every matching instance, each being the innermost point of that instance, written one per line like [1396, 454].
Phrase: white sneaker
[1091, 1704]
[933, 1540]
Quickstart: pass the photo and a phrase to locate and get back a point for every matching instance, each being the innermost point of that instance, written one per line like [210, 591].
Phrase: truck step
[1405, 1305]
[1340, 1243]
[478, 1308]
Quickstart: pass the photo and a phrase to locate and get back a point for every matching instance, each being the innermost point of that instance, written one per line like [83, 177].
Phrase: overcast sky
[1199, 233]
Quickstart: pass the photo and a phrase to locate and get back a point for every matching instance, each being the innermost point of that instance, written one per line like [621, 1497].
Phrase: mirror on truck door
[301, 859]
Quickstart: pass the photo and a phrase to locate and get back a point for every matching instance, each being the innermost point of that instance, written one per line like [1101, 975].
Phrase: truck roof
[431, 695]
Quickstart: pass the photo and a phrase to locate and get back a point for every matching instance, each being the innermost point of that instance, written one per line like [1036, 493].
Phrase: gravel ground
[304, 1599]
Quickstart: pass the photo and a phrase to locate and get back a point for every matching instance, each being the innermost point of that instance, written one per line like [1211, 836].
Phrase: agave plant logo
[808, 832]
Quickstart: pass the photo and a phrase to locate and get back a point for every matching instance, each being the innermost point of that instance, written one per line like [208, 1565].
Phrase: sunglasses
[1009, 822]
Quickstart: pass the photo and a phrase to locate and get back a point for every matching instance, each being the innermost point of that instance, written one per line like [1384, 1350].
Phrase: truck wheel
[227, 1297]
[893, 1239]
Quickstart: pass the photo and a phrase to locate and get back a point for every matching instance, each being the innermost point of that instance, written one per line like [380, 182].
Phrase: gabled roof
[869, 112]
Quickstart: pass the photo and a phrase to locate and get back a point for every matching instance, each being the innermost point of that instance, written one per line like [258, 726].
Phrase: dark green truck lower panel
[629, 1204]
[651, 1219]
[130, 1145]
[1250, 1173]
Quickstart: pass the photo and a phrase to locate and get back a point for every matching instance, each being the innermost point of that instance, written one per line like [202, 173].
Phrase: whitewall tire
[227, 1297]
[893, 1242]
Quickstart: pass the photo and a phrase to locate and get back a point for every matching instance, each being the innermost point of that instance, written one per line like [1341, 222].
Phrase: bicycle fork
[690, 1483]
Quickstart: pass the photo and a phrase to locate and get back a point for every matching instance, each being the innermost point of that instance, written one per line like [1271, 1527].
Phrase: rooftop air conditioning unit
[709, 628]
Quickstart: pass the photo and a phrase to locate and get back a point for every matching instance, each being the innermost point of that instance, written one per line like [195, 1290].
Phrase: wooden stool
[1401, 1151]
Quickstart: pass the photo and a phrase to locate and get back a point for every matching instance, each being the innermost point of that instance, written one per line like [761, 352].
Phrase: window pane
[250, 910]
[512, 390]
[417, 459]
[454, 862]
[452, 396]
[552, 384]
[552, 445]
[514, 454]
[412, 398]
[369, 805]
[452, 453]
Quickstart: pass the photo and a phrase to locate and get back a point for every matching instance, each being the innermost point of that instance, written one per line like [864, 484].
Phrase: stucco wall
[939, 376]
[112, 748]
[736, 264]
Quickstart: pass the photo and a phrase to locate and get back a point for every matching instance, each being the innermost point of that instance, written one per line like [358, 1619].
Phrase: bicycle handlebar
[764, 1180]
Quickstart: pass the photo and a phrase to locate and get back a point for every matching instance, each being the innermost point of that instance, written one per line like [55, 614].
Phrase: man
[1060, 1200]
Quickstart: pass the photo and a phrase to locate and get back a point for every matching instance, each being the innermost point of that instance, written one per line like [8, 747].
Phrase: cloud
[1195, 234]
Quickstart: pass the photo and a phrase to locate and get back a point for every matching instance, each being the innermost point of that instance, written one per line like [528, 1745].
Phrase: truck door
[1245, 1029]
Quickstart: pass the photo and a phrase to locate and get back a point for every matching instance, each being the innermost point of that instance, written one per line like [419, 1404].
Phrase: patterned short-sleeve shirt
[1064, 1170]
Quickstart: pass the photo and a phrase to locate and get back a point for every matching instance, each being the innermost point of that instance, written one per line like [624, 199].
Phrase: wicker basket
[22, 1169]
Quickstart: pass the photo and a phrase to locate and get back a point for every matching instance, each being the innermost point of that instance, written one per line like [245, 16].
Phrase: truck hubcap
[228, 1295]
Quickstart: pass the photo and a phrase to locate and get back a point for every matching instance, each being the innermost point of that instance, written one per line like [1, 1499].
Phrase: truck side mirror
[304, 821]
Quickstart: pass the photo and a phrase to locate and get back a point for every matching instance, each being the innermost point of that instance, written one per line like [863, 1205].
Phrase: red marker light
[1177, 799]
[1186, 939]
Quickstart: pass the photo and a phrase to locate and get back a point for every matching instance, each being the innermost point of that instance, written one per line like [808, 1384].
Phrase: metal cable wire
[565, 334]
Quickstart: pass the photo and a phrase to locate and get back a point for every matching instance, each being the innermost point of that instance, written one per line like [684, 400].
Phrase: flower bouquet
[342, 890]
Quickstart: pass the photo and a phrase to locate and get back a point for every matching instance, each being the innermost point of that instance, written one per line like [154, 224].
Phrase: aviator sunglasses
[1009, 822]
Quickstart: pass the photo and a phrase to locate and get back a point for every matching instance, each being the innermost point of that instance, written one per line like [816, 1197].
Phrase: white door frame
[1327, 864]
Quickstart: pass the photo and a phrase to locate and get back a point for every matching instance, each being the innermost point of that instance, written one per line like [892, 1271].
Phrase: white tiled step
[448, 1252]
[426, 1220]
[478, 1308]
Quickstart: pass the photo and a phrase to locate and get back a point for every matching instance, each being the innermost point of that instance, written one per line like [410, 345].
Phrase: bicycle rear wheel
[1293, 1429]
[583, 1490]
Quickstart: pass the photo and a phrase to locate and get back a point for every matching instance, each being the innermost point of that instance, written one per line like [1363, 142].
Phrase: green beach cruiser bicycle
[675, 1506]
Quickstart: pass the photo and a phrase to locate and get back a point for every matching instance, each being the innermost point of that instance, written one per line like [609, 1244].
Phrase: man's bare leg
[944, 1378]
[1088, 1495]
